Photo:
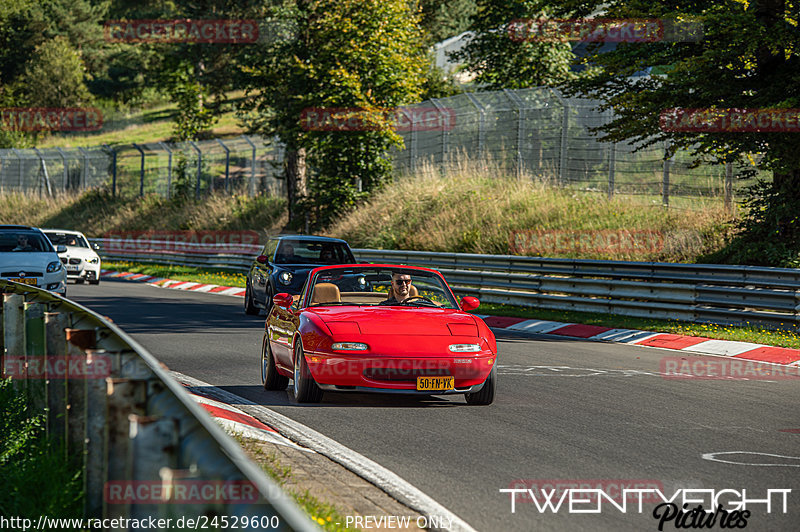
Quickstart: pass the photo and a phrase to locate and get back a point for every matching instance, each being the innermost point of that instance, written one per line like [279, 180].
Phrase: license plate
[26, 280]
[72, 268]
[428, 384]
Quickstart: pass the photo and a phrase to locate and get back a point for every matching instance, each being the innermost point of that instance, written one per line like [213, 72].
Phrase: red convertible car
[378, 328]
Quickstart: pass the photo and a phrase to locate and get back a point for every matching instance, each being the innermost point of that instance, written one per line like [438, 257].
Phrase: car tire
[304, 387]
[268, 295]
[484, 396]
[270, 378]
[249, 306]
[94, 281]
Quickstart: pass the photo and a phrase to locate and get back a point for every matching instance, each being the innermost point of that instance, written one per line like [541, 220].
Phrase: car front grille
[74, 261]
[15, 273]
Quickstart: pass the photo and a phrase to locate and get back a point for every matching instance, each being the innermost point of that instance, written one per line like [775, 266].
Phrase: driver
[23, 244]
[401, 289]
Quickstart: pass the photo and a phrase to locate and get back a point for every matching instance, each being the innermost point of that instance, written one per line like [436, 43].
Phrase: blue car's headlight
[285, 278]
[54, 266]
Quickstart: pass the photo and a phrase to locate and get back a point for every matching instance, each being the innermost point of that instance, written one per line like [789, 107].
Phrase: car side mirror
[469, 303]
[282, 300]
[61, 248]
[262, 259]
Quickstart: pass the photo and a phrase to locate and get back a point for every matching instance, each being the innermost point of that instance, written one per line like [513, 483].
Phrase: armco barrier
[147, 449]
[692, 292]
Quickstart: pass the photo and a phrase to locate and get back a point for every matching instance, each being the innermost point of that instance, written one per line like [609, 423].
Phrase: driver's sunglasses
[401, 281]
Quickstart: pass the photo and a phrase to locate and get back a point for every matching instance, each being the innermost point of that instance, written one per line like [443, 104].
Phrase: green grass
[325, 515]
[35, 475]
[754, 334]
[180, 273]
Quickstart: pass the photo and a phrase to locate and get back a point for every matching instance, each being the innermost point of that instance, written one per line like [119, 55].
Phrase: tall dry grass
[97, 212]
[474, 209]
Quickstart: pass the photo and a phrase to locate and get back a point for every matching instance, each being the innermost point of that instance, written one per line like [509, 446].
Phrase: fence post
[520, 129]
[169, 168]
[612, 161]
[227, 164]
[85, 167]
[44, 172]
[252, 166]
[729, 188]
[16, 152]
[199, 166]
[445, 135]
[141, 170]
[113, 170]
[665, 180]
[64, 164]
[481, 122]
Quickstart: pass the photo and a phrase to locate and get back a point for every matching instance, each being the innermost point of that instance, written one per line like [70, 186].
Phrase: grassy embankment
[35, 478]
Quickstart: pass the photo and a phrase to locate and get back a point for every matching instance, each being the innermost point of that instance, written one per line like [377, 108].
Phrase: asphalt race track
[568, 412]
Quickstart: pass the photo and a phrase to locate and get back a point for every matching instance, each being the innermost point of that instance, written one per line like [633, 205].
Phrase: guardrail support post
[154, 445]
[34, 354]
[14, 333]
[98, 366]
[124, 397]
[55, 323]
[78, 341]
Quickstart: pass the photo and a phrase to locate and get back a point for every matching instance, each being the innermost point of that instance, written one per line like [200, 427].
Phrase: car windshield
[75, 241]
[371, 286]
[297, 251]
[22, 241]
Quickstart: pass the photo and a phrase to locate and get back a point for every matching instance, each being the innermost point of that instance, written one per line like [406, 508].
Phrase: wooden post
[55, 323]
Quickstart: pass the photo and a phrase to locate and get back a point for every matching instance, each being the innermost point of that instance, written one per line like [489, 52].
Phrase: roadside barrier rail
[692, 292]
[147, 449]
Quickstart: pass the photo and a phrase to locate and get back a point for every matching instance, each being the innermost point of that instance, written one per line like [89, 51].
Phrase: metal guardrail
[133, 427]
[691, 292]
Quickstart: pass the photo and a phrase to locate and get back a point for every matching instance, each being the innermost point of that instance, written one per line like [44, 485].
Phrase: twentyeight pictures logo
[51, 119]
[182, 31]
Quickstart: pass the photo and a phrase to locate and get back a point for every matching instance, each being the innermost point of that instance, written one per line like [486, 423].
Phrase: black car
[284, 263]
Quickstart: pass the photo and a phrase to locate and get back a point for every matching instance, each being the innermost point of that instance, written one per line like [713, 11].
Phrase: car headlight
[285, 277]
[349, 346]
[54, 266]
[465, 348]
[92, 261]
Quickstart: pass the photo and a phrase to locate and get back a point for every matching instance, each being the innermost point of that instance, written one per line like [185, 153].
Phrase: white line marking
[722, 347]
[362, 466]
[713, 458]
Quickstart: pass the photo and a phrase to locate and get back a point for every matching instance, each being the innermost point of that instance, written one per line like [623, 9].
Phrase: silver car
[28, 257]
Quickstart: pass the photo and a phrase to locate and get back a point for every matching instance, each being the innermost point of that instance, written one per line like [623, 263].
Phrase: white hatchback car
[80, 258]
[28, 257]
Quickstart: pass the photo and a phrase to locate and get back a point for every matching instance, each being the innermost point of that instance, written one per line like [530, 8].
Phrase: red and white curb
[234, 420]
[173, 284]
[692, 344]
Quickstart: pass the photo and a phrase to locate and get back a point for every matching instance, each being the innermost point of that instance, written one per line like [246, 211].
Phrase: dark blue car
[284, 263]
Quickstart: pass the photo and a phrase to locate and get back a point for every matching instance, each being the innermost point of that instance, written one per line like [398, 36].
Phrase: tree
[54, 77]
[748, 58]
[503, 60]
[362, 55]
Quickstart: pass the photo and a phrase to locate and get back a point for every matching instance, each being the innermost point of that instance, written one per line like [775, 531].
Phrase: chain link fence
[243, 165]
[540, 133]
[528, 132]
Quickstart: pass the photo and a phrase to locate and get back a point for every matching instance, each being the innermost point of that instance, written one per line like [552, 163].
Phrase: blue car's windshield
[314, 252]
[23, 242]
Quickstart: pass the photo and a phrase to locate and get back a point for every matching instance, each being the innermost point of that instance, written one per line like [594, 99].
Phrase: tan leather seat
[325, 293]
[412, 291]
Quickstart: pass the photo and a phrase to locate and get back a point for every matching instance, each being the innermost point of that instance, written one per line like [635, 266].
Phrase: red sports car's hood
[399, 320]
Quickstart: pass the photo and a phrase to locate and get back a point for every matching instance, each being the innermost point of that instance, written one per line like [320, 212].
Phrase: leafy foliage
[503, 62]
